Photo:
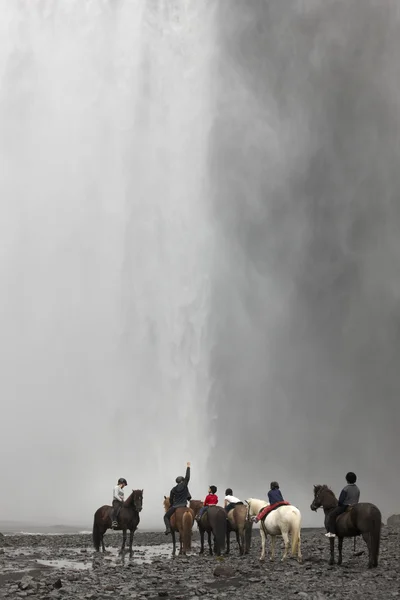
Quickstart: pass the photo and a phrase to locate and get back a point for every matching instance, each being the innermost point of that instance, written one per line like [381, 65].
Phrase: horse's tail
[96, 534]
[375, 536]
[187, 524]
[219, 531]
[295, 531]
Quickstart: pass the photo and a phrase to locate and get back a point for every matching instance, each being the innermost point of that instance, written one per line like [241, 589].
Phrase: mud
[66, 567]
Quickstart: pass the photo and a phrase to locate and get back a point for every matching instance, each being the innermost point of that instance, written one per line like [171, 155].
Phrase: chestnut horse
[238, 520]
[128, 518]
[182, 521]
[363, 518]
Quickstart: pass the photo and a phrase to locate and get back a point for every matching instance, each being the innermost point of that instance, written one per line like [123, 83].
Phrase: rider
[275, 499]
[210, 500]
[349, 495]
[118, 501]
[230, 500]
[178, 497]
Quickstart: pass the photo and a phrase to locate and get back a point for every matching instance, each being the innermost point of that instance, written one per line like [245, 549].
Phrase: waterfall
[107, 239]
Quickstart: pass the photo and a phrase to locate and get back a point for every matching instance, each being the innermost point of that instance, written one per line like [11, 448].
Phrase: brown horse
[182, 521]
[238, 521]
[214, 522]
[362, 519]
[128, 518]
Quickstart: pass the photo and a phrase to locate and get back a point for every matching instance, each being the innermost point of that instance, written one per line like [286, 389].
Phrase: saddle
[264, 512]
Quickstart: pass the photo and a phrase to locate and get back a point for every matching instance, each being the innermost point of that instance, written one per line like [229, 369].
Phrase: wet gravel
[66, 567]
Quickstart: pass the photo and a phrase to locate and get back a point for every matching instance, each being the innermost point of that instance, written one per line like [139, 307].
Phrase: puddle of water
[141, 555]
[63, 563]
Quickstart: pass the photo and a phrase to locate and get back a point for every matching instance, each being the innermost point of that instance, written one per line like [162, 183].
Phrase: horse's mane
[130, 499]
[322, 487]
[166, 503]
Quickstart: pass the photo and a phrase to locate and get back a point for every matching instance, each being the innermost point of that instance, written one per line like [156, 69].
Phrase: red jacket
[211, 499]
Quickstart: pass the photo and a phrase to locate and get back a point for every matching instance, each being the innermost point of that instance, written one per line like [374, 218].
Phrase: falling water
[106, 248]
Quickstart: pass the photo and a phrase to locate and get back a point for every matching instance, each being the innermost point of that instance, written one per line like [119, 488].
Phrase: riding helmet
[351, 477]
[179, 479]
[122, 480]
[274, 485]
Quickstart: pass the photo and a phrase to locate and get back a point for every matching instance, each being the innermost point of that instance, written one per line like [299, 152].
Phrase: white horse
[281, 521]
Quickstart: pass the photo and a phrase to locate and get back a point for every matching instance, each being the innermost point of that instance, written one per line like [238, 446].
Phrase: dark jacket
[179, 494]
[275, 496]
[349, 495]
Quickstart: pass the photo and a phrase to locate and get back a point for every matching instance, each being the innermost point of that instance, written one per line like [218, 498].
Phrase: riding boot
[167, 526]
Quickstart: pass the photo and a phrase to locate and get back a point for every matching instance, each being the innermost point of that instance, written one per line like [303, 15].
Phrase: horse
[182, 520]
[196, 506]
[239, 522]
[363, 519]
[282, 521]
[213, 521]
[128, 518]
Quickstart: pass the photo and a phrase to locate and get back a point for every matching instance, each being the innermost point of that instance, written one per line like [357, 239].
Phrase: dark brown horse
[182, 521]
[128, 518]
[214, 522]
[361, 519]
[239, 521]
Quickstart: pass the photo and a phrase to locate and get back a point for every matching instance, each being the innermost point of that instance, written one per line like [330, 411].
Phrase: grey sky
[199, 225]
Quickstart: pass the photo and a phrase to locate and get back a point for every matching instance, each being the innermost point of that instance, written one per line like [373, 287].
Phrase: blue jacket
[349, 495]
[275, 496]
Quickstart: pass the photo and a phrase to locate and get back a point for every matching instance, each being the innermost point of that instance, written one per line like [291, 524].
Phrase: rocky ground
[66, 567]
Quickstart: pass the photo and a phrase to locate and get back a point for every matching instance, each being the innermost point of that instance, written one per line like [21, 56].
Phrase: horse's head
[137, 499]
[320, 496]
[166, 503]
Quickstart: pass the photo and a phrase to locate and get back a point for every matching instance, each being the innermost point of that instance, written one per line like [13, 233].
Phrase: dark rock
[224, 571]
[26, 583]
[57, 584]
[394, 521]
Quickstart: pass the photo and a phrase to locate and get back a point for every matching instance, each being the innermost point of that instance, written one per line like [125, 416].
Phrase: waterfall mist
[306, 195]
[106, 254]
[200, 251]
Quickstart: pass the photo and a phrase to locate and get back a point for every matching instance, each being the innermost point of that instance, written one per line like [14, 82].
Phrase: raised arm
[187, 476]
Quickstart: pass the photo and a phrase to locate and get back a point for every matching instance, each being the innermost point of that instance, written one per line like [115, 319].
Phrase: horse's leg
[238, 539]
[209, 543]
[132, 531]
[201, 539]
[103, 546]
[181, 550]
[123, 541]
[332, 551]
[285, 536]
[340, 548]
[273, 540]
[299, 555]
[367, 540]
[173, 542]
[228, 541]
[263, 536]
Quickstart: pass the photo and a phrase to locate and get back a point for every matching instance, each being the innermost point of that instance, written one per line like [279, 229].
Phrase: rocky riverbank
[66, 567]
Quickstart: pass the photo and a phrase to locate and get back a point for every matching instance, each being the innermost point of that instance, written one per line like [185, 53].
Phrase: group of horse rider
[180, 496]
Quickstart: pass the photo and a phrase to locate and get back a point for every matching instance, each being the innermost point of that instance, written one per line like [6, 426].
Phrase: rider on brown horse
[230, 500]
[179, 496]
[118, 500]
[210, 500]
[349, 496]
